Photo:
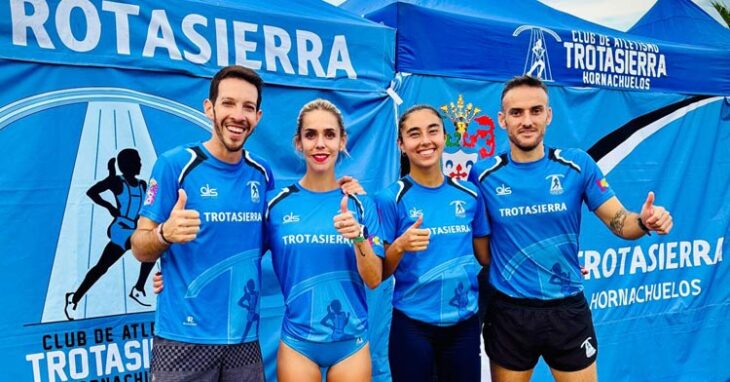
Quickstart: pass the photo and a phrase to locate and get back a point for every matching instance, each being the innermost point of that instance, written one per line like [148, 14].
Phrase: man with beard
[202, 216]
[533, 196]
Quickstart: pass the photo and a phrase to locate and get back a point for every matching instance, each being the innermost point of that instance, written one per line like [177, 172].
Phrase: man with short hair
[202, 216]
[533, 195]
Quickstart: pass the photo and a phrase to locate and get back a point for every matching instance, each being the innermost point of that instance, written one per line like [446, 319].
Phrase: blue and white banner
[496, 40]
[93, 92]
[328, 49]
[659, 303]
[73, 139]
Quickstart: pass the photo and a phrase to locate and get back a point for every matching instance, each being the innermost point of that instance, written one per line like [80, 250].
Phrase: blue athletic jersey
[316, 266]
[129, 202]
[535, 211]
[207, 278]
[439, 285]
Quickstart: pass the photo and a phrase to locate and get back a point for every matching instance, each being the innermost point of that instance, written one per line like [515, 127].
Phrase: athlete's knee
[99, 269]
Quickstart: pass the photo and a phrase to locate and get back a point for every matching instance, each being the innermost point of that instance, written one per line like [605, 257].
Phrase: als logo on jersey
[208, 192]
[254, 190]
[556, 188]
[602, 184]
[151, 192]
[290, 218]
[415, 213]
[459, 210]
[503, 190]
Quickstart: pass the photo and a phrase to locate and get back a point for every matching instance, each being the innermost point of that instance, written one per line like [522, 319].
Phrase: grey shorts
[174, 361]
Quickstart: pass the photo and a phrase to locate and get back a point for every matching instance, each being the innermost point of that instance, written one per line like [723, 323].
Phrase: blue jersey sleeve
[388, 212]
[371, 220]
[161, 192]
[480, 225]
[596, 189]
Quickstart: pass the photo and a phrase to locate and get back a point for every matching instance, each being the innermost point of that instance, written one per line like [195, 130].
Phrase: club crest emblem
[254, 190]
[537, 63]
[465, 146]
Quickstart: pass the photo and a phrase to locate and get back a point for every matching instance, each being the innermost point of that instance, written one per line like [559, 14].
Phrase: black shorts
[518, 331]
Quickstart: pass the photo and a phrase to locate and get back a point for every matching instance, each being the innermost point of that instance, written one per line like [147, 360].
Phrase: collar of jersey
[427, 188]
[302, 189]
[219, 163]
[529, 165]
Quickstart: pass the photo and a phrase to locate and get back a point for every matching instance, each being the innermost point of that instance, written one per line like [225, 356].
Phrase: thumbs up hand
[183, 225]
[415, 238]
[655, 218]
[182, 199]
[345, 222]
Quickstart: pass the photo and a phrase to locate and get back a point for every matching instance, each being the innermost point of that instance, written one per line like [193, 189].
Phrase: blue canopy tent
[655, 116]
[682, 21]
[84, 80]
[487, 40]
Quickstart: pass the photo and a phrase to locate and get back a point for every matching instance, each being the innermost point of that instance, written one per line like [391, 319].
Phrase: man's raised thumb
[649, 203]
[182, 198]
[343, 204]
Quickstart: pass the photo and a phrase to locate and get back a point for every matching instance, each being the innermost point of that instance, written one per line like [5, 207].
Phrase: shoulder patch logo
[602, 184]
[375, 240]
[151, 192]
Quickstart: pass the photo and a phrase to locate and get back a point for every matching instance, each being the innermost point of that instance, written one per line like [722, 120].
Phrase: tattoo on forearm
[617, 223]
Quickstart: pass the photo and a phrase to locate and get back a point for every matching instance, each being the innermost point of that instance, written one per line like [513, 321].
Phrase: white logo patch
[254, 188]
[590, 350]
[503, 190]
[290, 218]
[208, 192]
[190, 321]
[415, 213]
[556, 188]
[459, 210]
[537, 63]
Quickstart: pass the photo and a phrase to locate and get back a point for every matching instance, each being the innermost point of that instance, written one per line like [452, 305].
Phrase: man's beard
[526, 148]
[219, 133]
